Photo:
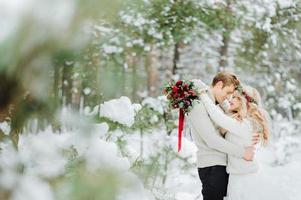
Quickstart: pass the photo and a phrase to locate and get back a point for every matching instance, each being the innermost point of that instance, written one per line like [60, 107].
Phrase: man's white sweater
[212, 147]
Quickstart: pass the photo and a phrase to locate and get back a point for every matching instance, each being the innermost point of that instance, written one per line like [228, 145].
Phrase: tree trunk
[141, 143]
[176, 58]
[151, 66]
[67, 84]
[97, 86]
[76, 94]
[132, 63]
[226, 39]
[56, 83]
[224, 52]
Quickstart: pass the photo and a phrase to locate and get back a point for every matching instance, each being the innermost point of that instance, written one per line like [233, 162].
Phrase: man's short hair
[227, 78]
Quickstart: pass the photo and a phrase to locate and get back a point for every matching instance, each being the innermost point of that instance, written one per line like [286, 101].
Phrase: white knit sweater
[239, 133]
[212, 147]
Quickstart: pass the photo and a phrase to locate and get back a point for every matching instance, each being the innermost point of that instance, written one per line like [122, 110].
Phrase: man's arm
[201, 123]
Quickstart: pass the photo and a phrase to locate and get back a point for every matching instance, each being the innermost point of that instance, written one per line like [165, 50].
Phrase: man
[212, 147]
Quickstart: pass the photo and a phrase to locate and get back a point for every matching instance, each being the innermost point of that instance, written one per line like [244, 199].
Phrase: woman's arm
[220, 118]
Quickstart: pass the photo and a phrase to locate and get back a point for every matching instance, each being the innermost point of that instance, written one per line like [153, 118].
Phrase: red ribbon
[180, 128]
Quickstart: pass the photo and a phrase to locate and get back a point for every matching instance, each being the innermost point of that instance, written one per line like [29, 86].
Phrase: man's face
[222, 93]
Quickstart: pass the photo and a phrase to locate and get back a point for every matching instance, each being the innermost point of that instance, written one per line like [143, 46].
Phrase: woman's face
[235, 102]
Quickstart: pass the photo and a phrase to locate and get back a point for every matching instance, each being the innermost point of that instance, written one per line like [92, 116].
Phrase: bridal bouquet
[180, 95]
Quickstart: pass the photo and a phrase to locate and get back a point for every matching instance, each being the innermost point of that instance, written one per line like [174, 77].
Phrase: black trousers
[215, 182]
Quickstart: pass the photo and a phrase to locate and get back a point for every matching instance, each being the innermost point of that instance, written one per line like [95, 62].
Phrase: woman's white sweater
[239, 132]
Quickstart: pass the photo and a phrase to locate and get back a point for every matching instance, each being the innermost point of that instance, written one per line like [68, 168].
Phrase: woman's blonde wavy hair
[254, 110]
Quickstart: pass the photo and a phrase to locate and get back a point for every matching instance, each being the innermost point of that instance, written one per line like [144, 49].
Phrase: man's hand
[255, 139]
[249, 153]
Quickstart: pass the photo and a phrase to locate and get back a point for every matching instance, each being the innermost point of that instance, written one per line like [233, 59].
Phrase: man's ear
[220, 84]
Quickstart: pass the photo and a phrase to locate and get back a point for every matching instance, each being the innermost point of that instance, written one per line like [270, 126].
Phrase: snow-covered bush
[50, 165]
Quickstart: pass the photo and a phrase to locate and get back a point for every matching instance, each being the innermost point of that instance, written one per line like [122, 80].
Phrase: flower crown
[239, 88]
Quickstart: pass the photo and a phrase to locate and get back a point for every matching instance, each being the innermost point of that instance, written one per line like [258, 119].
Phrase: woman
[245, 117]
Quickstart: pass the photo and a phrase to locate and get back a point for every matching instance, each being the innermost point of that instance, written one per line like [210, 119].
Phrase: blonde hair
[254, 110]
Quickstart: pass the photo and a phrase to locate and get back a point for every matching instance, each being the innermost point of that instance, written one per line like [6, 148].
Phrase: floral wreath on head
[250, 99]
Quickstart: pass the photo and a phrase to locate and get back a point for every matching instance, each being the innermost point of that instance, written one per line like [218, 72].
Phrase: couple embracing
[227, 137]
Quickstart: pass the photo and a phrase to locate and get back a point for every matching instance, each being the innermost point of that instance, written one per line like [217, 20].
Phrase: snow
[50, 16]
[291, 86]
[9, 161]
[101, 153]
[286, 3]
[32, 188]
[184, 195]
[5, 127]
[110, 49]
[120, 110]
[87, 91]
[158, 104]
[280, 182]
[41, 155]
[297, 106]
